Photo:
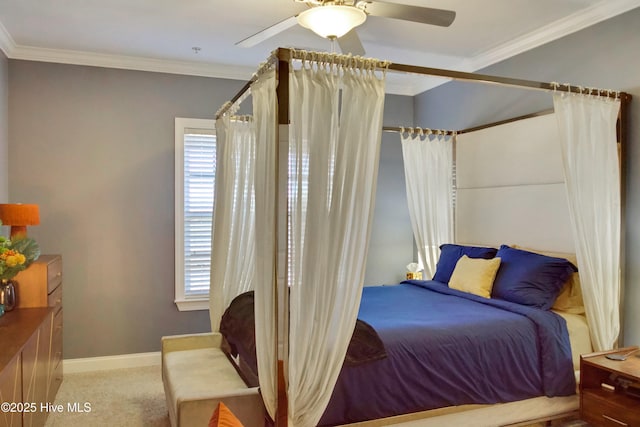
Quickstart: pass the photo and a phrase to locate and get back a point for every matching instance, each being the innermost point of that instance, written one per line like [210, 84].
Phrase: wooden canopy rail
[281, 60]
[283, 57]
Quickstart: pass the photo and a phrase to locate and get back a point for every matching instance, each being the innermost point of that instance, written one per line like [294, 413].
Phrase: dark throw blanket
[238, 328]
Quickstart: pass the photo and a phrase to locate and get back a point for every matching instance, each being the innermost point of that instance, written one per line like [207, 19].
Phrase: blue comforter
[447, 348]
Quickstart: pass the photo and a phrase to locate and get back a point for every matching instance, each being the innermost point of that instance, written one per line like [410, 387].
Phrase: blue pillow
[450, 254]
[530, 279]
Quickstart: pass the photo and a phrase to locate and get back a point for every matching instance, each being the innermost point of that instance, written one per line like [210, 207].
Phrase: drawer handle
[58, 327]
[614, 420]
[58, 301]
[59, 273]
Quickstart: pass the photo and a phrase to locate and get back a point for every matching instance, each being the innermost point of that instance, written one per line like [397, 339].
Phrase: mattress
[579, 336]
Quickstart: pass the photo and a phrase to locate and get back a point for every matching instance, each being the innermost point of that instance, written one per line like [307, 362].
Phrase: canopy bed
[312, 168]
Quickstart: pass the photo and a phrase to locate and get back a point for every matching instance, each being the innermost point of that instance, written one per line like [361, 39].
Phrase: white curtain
[233, 239]
[335, 133]
[592, 173]
[428, 171]
[264, 113]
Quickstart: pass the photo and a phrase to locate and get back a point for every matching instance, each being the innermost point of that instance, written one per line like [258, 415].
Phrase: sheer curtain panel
[264, 113]
[592, 173]
[335, 133]
[428, 171]
[233, 232]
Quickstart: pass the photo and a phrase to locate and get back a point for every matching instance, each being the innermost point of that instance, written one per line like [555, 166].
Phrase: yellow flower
[21, 259]
[12, 261]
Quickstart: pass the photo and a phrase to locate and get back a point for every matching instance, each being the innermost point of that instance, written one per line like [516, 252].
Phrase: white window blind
[199, 176]
[195, 180]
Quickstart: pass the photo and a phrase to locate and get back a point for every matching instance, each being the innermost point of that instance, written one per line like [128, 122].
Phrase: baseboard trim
[102, 363]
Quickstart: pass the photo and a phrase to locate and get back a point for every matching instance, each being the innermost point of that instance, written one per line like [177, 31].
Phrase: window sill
[192, 304]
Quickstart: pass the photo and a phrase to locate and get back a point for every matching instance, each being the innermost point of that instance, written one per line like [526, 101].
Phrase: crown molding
[557, 29]
[71, 57]
[7, 45]
[124, 62]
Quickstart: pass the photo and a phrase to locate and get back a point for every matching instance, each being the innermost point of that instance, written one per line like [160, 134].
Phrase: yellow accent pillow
[475, 275]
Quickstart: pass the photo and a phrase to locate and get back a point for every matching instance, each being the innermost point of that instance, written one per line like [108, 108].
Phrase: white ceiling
[159, 35]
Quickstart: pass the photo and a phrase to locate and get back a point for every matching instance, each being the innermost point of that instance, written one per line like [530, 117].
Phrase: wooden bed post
[623, 132]
[282, 222]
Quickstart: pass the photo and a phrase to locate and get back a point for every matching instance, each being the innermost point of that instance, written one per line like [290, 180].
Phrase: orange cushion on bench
[223, 417]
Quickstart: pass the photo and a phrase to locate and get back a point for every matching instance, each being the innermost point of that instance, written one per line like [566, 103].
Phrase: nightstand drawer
[607, 408]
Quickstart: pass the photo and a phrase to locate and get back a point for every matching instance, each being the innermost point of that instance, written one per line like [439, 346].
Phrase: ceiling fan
[336, 20]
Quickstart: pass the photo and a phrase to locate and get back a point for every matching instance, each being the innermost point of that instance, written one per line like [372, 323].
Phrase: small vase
[7, 294]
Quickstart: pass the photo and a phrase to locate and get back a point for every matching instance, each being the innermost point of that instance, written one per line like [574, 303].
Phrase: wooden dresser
[606, 394]
[31, 344]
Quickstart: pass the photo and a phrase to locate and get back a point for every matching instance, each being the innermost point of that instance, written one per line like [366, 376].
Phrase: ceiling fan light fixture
[332, 20]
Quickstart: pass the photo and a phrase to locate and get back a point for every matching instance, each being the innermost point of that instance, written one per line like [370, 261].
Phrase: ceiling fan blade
[350, 43]
[424, 15]
[268, 32]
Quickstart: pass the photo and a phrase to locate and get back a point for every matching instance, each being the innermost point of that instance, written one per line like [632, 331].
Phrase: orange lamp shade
[18, 216]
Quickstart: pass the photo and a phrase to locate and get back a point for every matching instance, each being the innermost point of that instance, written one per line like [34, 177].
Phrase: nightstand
[607, 396]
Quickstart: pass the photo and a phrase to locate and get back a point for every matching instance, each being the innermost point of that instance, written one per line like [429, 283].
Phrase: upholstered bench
[197, 376]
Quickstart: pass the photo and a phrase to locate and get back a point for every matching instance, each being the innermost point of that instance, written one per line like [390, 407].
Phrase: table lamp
[18, 216]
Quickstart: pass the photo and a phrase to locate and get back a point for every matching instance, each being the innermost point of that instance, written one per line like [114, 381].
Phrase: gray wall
[391, 245]
[94, 148]
[606, 55]
[4, 128]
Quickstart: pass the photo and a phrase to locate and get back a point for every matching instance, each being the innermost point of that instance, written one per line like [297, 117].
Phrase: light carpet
[129, 397]
[133, 397]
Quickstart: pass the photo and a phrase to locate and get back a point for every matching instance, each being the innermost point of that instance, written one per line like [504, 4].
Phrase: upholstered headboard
[511, 190]
[510, 186]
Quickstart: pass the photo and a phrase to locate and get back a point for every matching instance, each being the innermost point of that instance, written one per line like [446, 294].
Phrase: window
[195, 165]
